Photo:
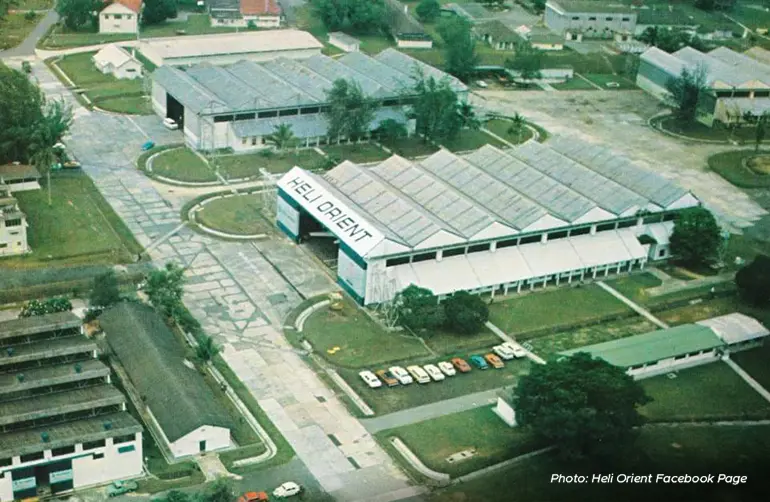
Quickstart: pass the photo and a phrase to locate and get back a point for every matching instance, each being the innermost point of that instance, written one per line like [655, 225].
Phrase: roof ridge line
[253, 64]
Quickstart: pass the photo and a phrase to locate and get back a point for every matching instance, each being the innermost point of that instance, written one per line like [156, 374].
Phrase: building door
[202, 446]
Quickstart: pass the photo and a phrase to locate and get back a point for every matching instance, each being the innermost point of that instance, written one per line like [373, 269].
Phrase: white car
[434, 372]
[447, 368]
[401, 375]
[170, 123]
[518, 350]
[288, 489]
[503, 351]
[418, 374]
[481, 84]
[370, 379]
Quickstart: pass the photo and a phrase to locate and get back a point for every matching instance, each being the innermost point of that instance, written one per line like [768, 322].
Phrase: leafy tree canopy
[164, 288]
[670, 39]
[753, 281]
[6, 5]
[77, 13]
[459, 46]
[696, 237]
[350, 110]
[582, 405]
[220, 490]
[428, 10]
[49, 306]
[157, 11]
[354, 16]
[527, 63]
[418, 309]
[684, 92]
[105, 291]
[465, 313]
[21, 103]
[435, 109]
[391, 129]
[282, 137]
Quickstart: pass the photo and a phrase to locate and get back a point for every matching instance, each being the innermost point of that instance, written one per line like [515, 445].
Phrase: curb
[439, 478]
[216, 233]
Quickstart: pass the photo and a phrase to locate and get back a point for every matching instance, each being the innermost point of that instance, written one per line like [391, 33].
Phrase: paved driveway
[27, 46]
[618, 119]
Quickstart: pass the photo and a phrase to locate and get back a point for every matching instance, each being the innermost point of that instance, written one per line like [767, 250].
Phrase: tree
[157, 11]
[49, 306]
[5, 6]
[76, 13]
[105, 291]
[684, 92]
[465, 313]
[390, 130]
[459, 46]
[539, 5]
[418, 309]
[21, 102]
[696, 237]
[220, 490]
[584, 406]
[517, 126]
[753, 281]
[428, 10]
[434, 108]
[759, 133]
[468, 118]
[46, 135]
[350, 111]
[177, 496]
[527, 63]
[207, 348]
[282, 137]
[164, 288]
[354, 16]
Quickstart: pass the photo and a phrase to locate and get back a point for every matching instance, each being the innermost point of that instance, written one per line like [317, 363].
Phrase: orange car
[253, 497]
[494, 361]
[385, 377]
[461, 365]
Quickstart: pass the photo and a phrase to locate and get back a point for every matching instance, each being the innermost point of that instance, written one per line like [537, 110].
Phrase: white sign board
[59, 476]
[23, 484]
[288, 216]
[343, 222]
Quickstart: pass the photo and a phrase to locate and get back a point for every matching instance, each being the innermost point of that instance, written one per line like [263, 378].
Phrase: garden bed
[235, 214]
[732, 167]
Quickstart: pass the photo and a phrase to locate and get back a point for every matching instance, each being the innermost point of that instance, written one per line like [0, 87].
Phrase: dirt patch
[759, 164]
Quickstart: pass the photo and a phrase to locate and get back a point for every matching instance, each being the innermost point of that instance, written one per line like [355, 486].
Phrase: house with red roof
[245, 13]
[120, 16]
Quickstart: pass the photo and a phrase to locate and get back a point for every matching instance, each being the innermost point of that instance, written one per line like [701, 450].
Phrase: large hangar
[490, 221]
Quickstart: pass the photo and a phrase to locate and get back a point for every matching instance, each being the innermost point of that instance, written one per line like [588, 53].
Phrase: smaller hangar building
[182, 406]
[487, 221]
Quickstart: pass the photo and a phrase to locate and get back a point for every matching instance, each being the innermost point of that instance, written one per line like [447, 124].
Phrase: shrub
[465, 313]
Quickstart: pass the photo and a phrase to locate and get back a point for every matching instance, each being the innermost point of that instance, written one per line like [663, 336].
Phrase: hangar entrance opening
[174, 110]
[316, 238]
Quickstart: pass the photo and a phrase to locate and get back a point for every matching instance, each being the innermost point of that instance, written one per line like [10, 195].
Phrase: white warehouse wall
[89, 471]
[216, 438]
[6, 487]
[672, 364]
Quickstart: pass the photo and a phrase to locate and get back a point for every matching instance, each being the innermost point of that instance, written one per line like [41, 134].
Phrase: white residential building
[245, 13]
[116, 61]
[121, 16]
[13, 225]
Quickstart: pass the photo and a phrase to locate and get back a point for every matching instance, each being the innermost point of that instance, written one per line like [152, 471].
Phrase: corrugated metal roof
[743, 63]
[412, 68]
[188, 91]
[27, 326]
[663, 60]
[387, 76]
[736, 328]
[229, 89]
[268, 86]
[653, 346]
[332, 69]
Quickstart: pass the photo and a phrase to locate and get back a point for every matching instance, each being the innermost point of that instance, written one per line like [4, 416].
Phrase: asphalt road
[27, 47]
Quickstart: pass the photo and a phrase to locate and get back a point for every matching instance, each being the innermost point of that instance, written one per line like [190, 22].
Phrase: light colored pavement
[240, 293]
[747, 378]
[635, 306]
[432, 410]
[509, 339]
[619, 121]
[675, 285]
[27, 47]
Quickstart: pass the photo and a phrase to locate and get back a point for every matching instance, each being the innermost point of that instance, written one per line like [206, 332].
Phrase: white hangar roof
[735, 328]
[447, 199]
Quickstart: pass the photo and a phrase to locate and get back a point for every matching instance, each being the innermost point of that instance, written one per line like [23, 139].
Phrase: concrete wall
[217, 438]
[590, 24]
[159, 99]
[414, 44]
[673, 364]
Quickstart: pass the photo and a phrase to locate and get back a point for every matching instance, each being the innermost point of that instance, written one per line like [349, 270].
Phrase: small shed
[19, 177]
[738, 331]
[499, 36]
[344, 42]
[116, 61]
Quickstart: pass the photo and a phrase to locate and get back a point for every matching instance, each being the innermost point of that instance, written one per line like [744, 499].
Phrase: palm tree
[468, 116]
[43, 159]
[282, 137]
[45, 147]
[517, 126]
[206, 349]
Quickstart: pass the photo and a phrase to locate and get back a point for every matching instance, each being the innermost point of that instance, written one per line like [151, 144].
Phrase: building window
[453, 252]
[557, 235]
[506, 244]
[5, 461]
[123, 439]
[126, 449]
[267, 115]
[654, 218]
[608, 19]
[64, 450]
[576, 18]
[661, 253]
[309, 110]
[129, 16]
[579, 231]
[31, 457]
[224, 118]
[106, 16]
[605, 226]
[13, 223]
[593, 18]
[118, 16]
[253, 141]
[423, 257]
[92, 445]
[245, 116]
[401, 260]
[626, 224]
[677, 358]
[244, 141]
[288, 113]
[625, 19]
[98, 456]
[530, 239]
[3, 245]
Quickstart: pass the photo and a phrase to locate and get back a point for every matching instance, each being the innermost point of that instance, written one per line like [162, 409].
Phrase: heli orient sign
[337, 217]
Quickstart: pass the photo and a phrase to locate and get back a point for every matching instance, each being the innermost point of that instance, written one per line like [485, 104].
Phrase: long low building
[486, 221]
[735, 83]
[236, 106]
[685, 346]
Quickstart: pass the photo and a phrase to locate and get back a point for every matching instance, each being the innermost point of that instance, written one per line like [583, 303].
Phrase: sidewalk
[747, 378]
[676, 285]
[638, 308]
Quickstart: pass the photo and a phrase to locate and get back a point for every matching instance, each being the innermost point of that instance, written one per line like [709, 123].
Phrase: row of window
[13, 223]
[593, 18]
[677, 358]
[68, 450]
[4, 245]
[307, 110]
[19, 180]
[119, 16]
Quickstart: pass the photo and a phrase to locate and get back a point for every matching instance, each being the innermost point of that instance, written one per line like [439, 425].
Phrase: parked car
[385, 377]
[434, 372]
[370, 379]
[481, 84]
[479, 362]
[503, 351]
[401, 375]
[170, 123]
[518, 350]
[147, 145]
[288, 489]
[253, 497]
[461, 365]
[495, 361]
[447, 368]
[121, 488]
[418, 374]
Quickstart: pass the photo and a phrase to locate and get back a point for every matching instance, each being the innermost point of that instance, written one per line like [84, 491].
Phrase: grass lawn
[134, 105]
[479, 429]
[705, 310]
[15, 28]
[182, 164]
[249, 164]
[602, 80]
[387, 400]
[359, 152]
[501, 127]
[25, 5]
[554, 307]
[634, 286]
[696, 130]
[666, 450]
[239, 214]
[411, 147]
[574, 84]
[756, 362]
[592, 63]
[730, 165]
[469, 139]
[549, 345]
[709, 392]
[78, 227]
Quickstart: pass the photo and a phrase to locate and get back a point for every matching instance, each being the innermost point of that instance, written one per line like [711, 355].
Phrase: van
[419, 374]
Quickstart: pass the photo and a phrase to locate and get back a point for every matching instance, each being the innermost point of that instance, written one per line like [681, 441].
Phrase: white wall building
[13, 225]
[121, 16]
[487, 221]
[737, 331]
[245, 13]
[115, 60]
[344, 42]
[19, 177]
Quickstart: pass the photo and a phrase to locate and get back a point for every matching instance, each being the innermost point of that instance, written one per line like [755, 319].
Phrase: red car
[494, 361]
[253, 497]
[461, 365]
